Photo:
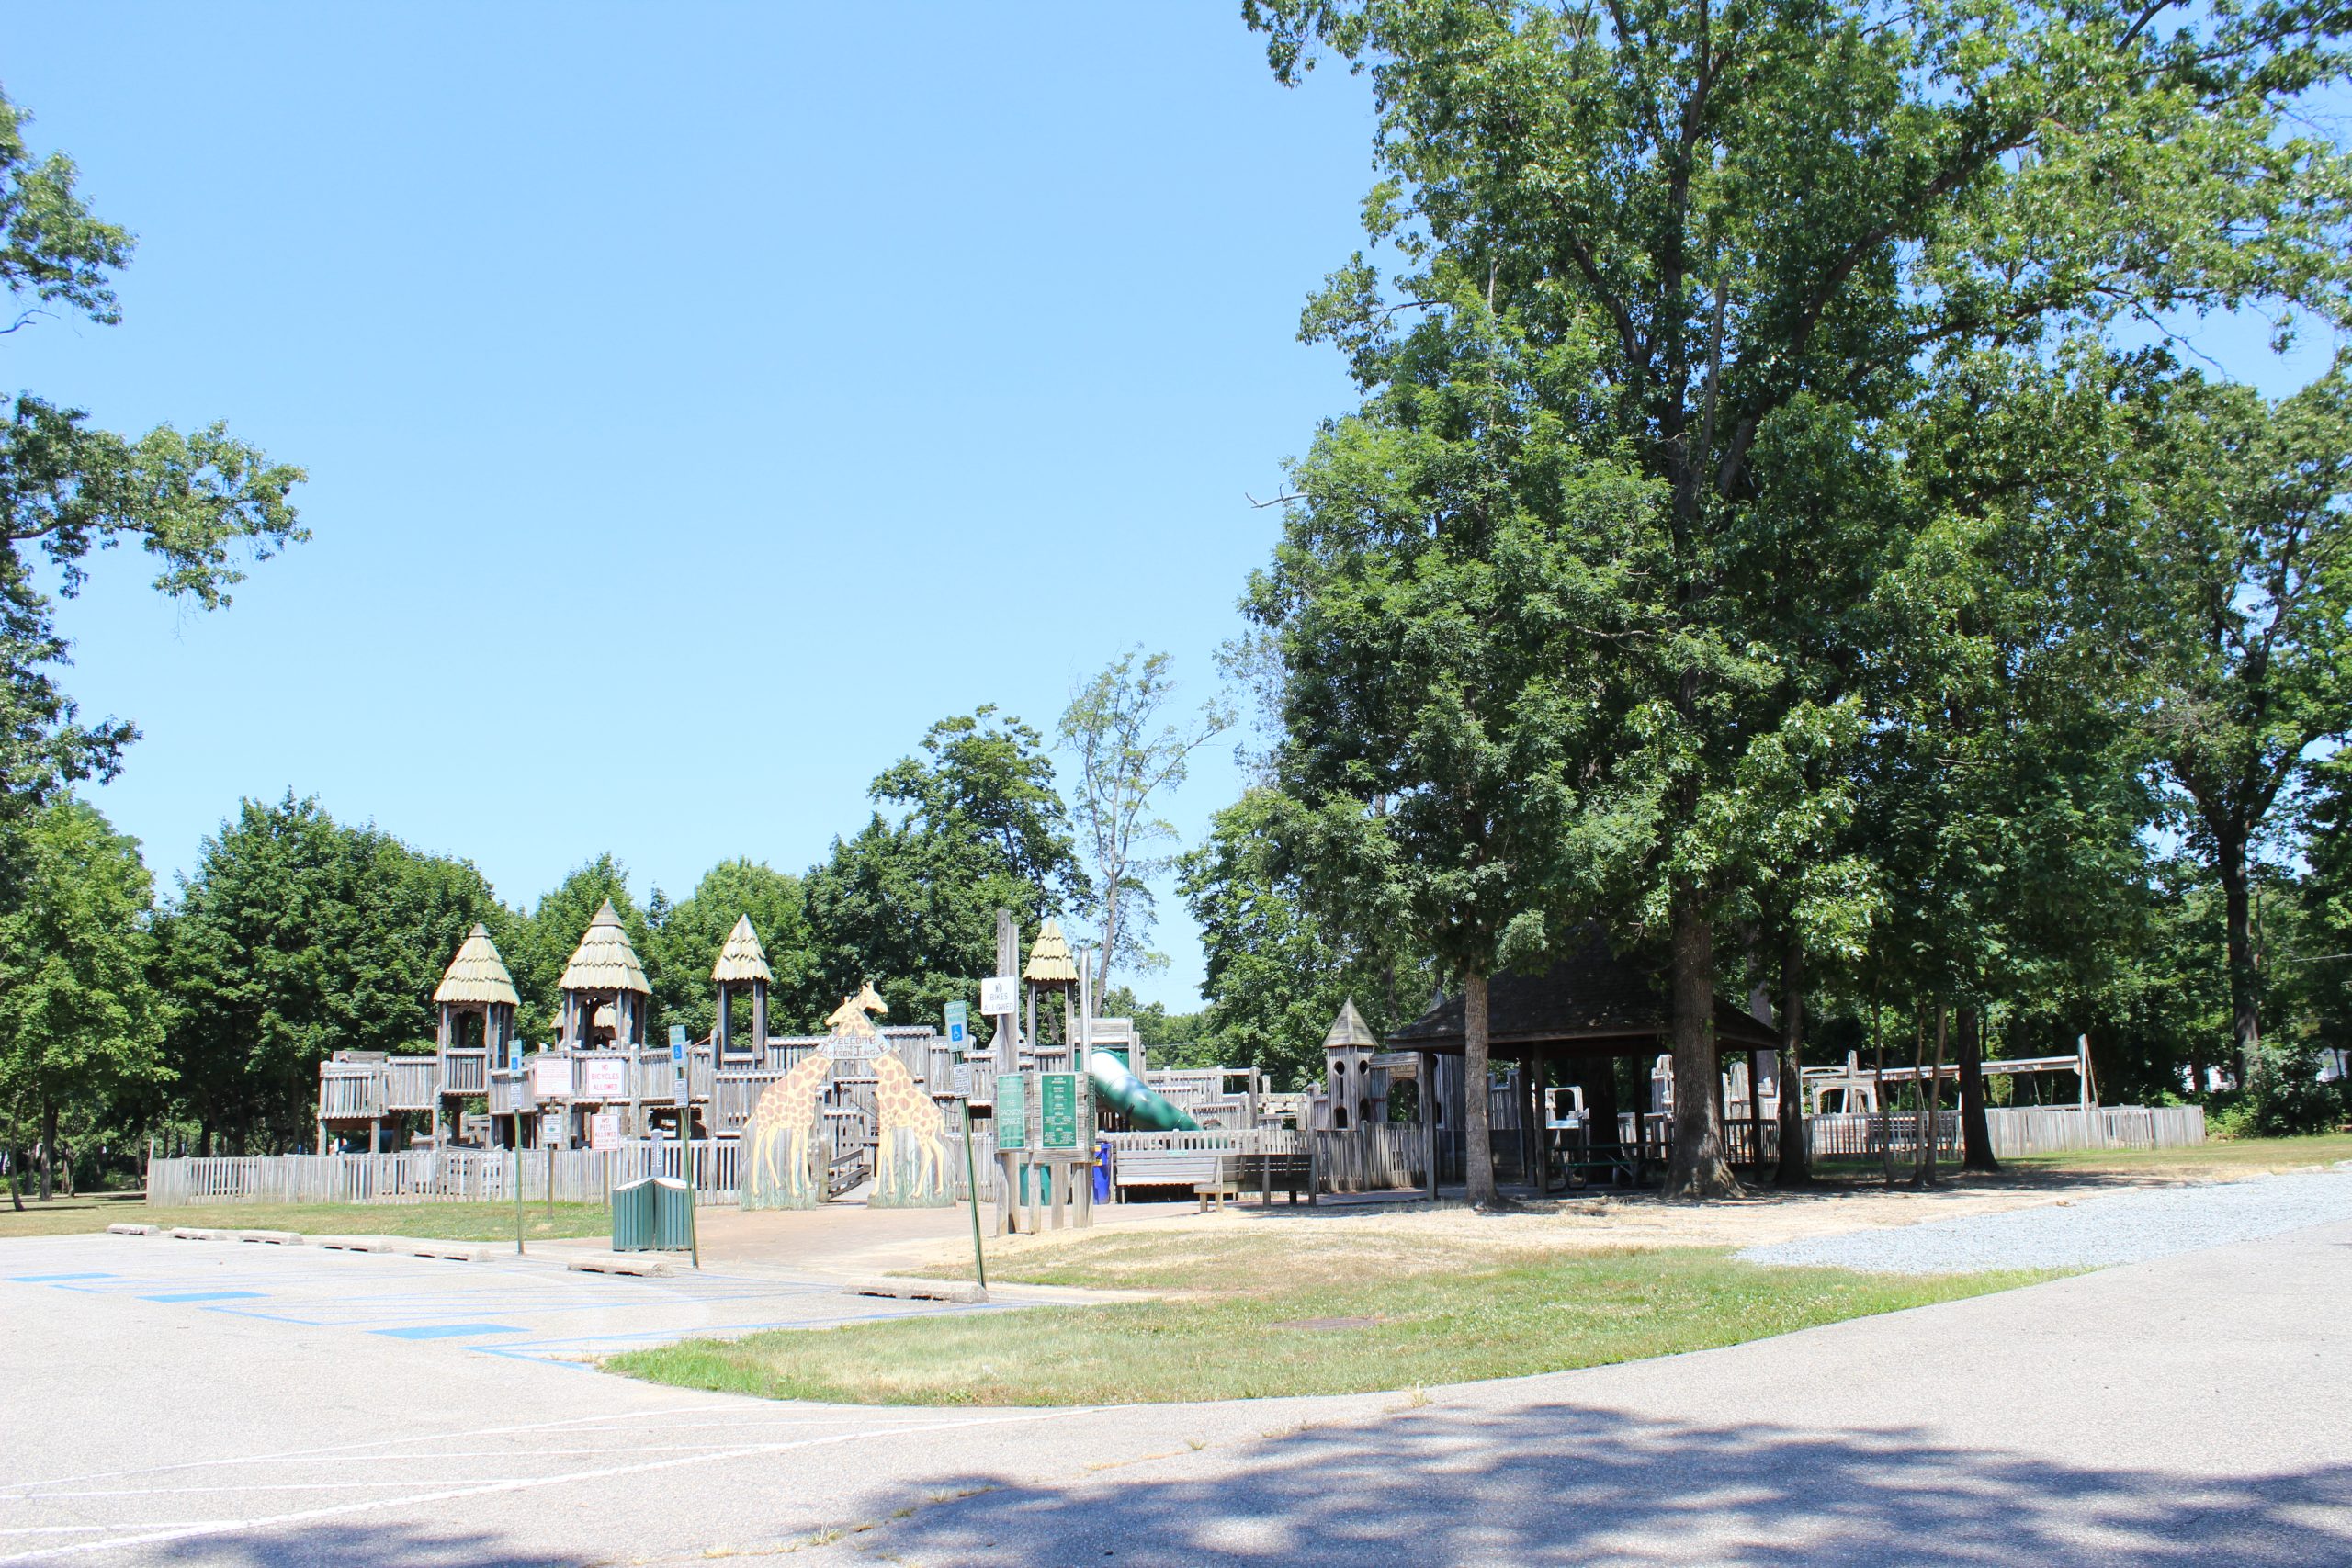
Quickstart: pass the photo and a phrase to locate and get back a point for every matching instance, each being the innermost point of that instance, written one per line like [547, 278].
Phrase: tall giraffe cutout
[909, 1158]
[784, 1160]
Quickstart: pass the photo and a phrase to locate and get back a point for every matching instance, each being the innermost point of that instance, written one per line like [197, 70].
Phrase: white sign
[604, 1130]
[603, 1080]
[1000, 996]
[852, 1047]
[550, 1077]
[964, 1079]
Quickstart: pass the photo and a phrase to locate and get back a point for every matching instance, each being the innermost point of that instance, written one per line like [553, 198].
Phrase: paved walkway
[2190, 1410]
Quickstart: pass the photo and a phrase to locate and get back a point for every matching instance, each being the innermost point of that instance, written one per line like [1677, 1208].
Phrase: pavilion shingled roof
[742, 958]
[477, 974]
[605, 961]
[1049, 961]
[1589, 1000]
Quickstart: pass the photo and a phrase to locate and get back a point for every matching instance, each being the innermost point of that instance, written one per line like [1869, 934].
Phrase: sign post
[525, 1099]
[680, 1090]
[972, 1185]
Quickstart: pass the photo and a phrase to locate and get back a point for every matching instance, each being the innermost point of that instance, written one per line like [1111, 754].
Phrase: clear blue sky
[698, 401]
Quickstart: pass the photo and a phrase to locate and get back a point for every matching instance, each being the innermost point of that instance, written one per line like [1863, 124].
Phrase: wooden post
[1429, 1102]
[1756, 1114]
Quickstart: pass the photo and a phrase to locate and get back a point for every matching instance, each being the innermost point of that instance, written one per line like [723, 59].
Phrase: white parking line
[156, 1536]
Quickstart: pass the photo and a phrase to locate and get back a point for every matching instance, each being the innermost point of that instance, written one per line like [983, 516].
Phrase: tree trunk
[16, 1169]
[48, 1147]
[1794, 1169]
[1698, 1168]
[1975, 1135]
[1931, 1095]
[2244, 982]
[1478, 1152]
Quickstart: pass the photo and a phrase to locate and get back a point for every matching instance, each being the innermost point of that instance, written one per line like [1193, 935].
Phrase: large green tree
[1131, 754]
[687, 936]
[1740, 212]
[2244, 556]
[908, 902]
[79, 1023]
[295, 937]
[1277, 971]
[200, 503]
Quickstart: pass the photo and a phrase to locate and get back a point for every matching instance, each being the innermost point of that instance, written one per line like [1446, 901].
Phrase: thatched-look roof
[742, 958]
[477, 974]
[1349, 1029]
[605, 961]
[1049, 961]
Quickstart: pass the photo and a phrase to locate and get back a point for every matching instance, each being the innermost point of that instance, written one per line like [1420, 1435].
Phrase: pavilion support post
[1430, 1103]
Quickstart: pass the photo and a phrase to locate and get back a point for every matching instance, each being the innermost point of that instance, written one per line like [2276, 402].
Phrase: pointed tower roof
[742, 958]
[605, 961]
[1049, 961]
[477, 974]
[1349, 1029]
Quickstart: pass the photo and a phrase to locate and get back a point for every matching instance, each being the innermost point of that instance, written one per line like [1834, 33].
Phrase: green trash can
[633, 1216]
[673, 1215]
[653, 1214]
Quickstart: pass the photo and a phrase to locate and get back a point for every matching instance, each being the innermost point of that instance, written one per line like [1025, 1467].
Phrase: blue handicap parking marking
[207, 1296]
[54, 1278]
[445, 1330]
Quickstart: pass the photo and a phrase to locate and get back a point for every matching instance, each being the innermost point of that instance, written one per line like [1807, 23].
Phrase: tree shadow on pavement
[1559, 1484]
[363, 1545]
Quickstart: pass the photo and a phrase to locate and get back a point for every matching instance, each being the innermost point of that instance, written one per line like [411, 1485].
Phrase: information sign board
[604, 1130]
[550, 1076]
[680, 1093]
[962, 1079]
[1012, 1112]
[1000, 996]
[677, 1042]
[603, 1080]
[1061, 1122]
[959, 1032]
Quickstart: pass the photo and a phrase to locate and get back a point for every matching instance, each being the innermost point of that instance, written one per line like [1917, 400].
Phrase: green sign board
[1063, 1122]
[1012, 1112]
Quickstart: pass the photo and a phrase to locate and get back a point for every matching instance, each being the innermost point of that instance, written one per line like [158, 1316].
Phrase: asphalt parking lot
[532, 1307]
[222, 1404]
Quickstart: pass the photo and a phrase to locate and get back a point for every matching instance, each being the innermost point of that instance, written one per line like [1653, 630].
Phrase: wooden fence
[2016, 1131]
[445, 1175]
[1381, 1158]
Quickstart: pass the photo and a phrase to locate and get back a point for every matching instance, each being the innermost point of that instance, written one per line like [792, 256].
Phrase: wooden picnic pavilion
[1573, 1023]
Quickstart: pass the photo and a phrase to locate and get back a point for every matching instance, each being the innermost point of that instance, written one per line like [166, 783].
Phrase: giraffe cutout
[902, 1105]
[783, 1168]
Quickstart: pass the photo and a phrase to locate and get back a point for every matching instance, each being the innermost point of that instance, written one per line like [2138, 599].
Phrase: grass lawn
[2215, 1159]
[438, 1222]
[2220, 1157]
[1263, 1319]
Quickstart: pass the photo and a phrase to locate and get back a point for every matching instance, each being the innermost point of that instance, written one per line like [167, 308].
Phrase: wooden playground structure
[1057, 1106]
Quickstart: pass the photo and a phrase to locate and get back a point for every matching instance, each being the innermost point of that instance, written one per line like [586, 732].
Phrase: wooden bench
[1216, 1192]
[1293, 1173]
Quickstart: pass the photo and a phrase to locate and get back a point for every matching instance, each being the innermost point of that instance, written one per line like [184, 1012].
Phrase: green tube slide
[1122, 1088]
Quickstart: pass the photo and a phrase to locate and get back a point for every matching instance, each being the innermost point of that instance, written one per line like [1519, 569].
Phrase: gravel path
[2093, 1233]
